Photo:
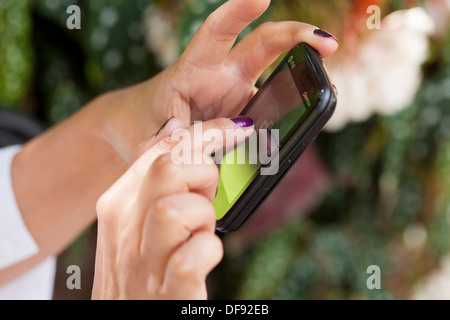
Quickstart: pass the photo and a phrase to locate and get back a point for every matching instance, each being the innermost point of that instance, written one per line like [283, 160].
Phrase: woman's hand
[156, 223]
[211, 79]
[59, 176]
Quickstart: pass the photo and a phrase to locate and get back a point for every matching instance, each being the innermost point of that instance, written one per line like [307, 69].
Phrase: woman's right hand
[156, 224]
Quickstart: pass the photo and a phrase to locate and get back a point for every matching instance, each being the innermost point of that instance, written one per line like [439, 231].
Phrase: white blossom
[436, 286]
[385, 73]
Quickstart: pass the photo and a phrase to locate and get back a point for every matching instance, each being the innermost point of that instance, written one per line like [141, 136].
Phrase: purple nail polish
[243, 122]
[324, 34]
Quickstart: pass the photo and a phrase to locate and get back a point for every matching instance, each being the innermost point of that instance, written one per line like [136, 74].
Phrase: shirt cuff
[35, 284]
[16, 242]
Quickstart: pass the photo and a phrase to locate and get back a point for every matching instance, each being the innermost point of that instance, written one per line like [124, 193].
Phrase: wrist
[129, 116]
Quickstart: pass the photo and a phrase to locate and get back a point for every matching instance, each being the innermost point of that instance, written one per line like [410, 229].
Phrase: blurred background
[373, 190]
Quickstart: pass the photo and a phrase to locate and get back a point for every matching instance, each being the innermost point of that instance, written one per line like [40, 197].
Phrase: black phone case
[304, 135]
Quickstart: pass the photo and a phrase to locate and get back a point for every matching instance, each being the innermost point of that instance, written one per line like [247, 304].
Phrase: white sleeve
[17, 244]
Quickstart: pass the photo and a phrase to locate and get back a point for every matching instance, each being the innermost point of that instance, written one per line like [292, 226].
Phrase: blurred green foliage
[388, 174]
[16, 50]
[52, 71]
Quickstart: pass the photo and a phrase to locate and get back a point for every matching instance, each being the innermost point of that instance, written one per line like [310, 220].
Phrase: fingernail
[324, 34]
[243, 122]
[163, 126]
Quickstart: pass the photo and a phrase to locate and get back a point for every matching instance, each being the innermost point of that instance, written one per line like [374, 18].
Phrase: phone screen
[279, 107]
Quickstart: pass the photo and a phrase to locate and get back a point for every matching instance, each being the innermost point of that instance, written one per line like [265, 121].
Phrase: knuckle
[265, 32]
[164, 166]
[164, 212]
[213, 24]
[265, 26]
[167, 144]
[212, 17]
[219, 126]
[183, 268]
[214, 173]
[221, 123]
[214, 247]
[112, 204]
[205, 209]
[105, 204]
[217, 247]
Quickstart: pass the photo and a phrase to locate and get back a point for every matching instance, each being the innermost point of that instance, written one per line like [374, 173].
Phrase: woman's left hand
[211, 79]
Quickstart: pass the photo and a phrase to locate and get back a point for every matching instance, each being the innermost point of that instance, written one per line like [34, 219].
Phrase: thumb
[165, 131]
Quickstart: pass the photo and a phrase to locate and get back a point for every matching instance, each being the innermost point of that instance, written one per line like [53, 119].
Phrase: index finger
[163, 170]
[207, 137]
[217, 35]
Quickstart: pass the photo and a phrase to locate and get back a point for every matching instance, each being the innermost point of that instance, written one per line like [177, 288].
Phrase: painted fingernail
[324, 34]
[243, 122]
[163, 126]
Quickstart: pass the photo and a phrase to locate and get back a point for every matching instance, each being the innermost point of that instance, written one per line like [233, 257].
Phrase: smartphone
[291, 108]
